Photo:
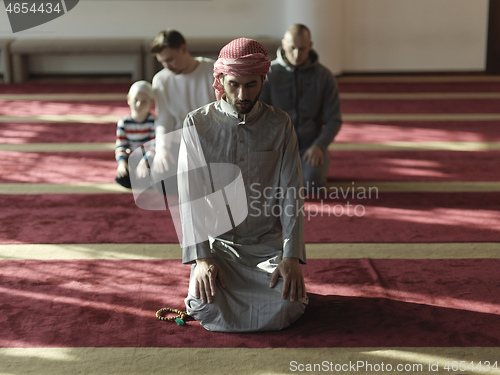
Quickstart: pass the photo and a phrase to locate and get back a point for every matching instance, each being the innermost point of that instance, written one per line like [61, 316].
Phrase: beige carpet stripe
[336, 146]
[90, 251]
[230, 361]
[459, 250]
[410, 146]
[421, 117]
[63, 97]
[419, 78]
[77, 188]
[333, 190]
[418, 95]
[372, 187]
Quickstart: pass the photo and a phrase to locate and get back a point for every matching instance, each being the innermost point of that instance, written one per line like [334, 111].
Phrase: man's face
[242, 92]
[173, 59]
[297, 48]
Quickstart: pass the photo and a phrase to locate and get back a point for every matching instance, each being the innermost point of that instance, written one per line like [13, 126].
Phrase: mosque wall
[409, 35]
[349, 35]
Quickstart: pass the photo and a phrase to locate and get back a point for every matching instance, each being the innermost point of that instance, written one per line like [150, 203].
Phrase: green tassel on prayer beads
[179, 321]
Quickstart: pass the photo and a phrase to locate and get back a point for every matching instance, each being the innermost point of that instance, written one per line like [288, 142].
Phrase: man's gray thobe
[253, 166]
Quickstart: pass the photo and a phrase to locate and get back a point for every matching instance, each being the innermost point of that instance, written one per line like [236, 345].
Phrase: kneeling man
[239, 158]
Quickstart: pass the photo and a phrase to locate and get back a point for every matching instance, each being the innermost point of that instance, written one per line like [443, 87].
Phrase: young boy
[135, 130]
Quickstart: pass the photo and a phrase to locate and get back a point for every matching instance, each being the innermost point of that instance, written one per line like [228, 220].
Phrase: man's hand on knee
[314, 156]
[205, 275]
[293, 281]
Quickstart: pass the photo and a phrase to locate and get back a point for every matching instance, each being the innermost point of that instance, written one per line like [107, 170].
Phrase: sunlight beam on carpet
[336, 146]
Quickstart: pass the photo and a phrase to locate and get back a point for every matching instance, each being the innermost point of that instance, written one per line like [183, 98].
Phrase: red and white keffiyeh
[241, 57]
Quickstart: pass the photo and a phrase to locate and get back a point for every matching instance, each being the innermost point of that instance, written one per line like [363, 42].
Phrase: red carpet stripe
[37, 108]
[34, 167]
[390, 217]
[414, 166]
[419, 131]
[58, 87]
[19, 133]
[421, 106]
[73, 167]
[409, 87]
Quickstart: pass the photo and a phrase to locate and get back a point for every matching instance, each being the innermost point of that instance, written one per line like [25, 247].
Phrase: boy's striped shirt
[130, 135]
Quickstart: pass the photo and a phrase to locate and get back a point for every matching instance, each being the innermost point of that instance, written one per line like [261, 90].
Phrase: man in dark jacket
[298, 84]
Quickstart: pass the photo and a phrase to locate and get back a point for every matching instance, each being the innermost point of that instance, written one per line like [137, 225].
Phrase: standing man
[248, 278]
[298, 84]
[184, 85]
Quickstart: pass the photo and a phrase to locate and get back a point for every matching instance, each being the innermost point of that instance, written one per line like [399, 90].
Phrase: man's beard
[248, 104]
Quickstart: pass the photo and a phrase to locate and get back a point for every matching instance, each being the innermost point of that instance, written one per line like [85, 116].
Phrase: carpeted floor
[403, 246]
[354, 303]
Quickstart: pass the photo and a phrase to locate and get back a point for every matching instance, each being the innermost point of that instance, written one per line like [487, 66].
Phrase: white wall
[140, 18]
[144, 18]
[349, 35]
[415, 35]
